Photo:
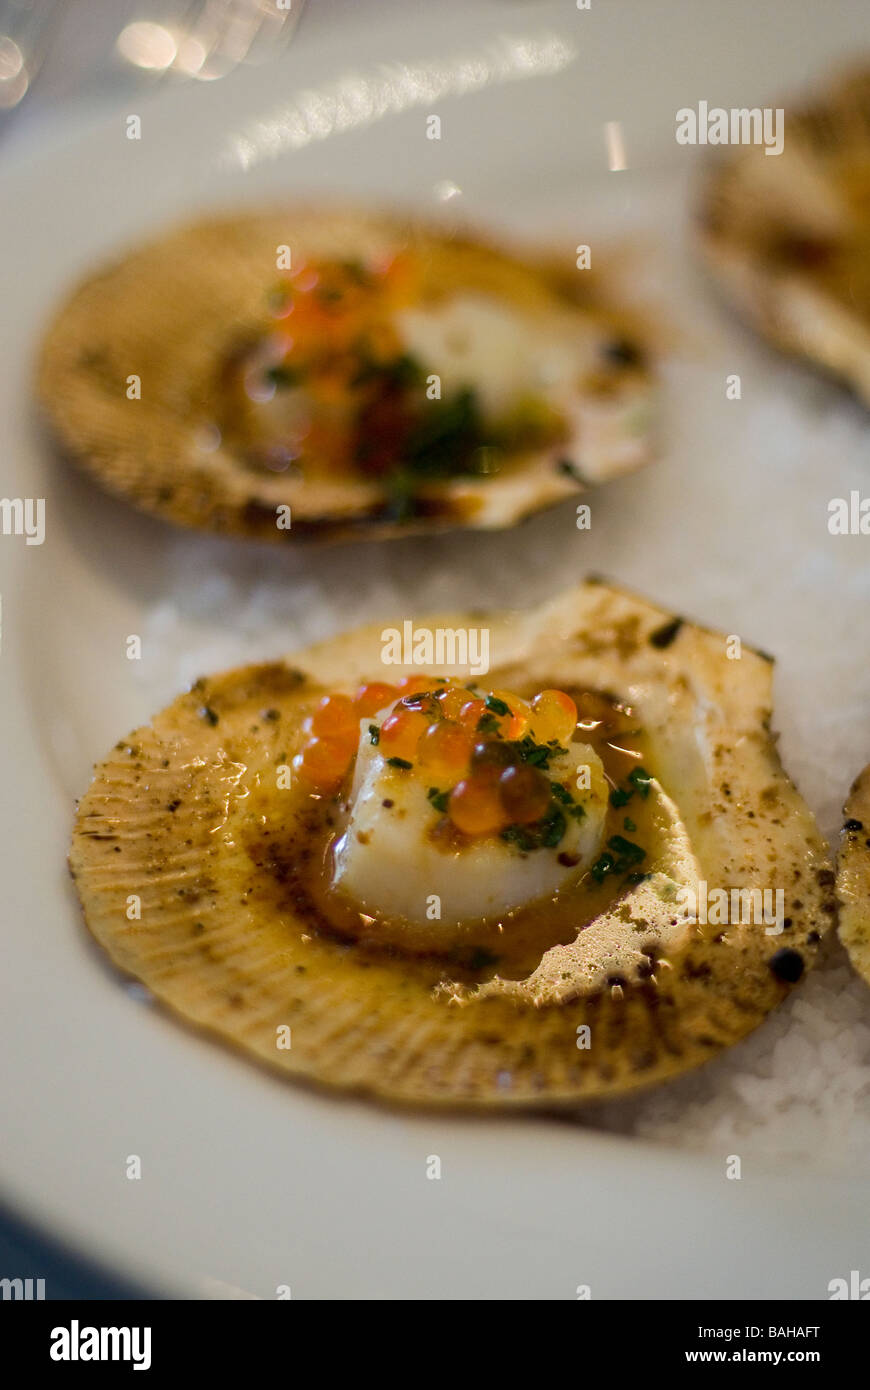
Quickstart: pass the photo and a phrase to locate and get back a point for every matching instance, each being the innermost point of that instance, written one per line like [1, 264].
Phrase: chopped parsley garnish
[356, 271]
[445, 437]
[497, 706]
[487, 724]
[398, 374]
[629, 853]
[640, 779]
[538, 754]
[399, 762]
[546, 833]
[283, 376]
[624, 856]
[603, 866]
[553, 826]
[572, 807]
[438, 799]
[628, 824]
[374, 733]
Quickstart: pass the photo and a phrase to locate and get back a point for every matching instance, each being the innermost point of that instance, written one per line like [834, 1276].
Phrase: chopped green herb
[546, 833]
[438, 799]
[487, 724]
[553, 827]
[497, 706]
[538, 754]
[283, 376]
[635, 877]
[356, 271]
[561, 794]
[629, 853]
[519, 836]
[374, 733]
[625, 855]
[398, 374]
[404, 371]
[640, 779]
[445, 437]
[603, 866]
[399, 762]
[577, 811]
[628, 824]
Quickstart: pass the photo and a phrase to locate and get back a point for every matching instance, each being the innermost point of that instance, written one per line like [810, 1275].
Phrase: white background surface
[246, 1180]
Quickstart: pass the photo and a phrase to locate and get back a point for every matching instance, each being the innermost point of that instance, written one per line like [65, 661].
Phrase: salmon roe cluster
[334, 333]
[457, 738]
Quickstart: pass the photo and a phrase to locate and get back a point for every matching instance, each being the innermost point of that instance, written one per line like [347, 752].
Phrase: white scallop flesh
[387, 863]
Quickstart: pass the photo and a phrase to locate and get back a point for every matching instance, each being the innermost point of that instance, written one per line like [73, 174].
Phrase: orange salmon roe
[475, 806]
[514, 724]
[554, 716]
[374, 696]
[414, 685]
[492, 787]
[400, 734]
[451, 699]
[491, 754]
[444, 749]
[470, 714]
[525, 793]
[335, 717]
[323, 762]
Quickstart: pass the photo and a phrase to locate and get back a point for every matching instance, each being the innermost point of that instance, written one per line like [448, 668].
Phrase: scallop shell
[173, 312]
[787, 235]
[165, 821]
[853, 876]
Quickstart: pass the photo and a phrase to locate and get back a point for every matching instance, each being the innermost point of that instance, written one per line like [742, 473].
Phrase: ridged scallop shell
[853, 875]
[787, 235]
[165, 821]
[171, 313]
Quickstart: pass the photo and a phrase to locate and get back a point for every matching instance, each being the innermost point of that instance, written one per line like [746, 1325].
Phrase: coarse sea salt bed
[729, 526]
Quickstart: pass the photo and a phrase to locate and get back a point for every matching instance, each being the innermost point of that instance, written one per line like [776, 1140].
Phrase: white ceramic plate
[248, 1183]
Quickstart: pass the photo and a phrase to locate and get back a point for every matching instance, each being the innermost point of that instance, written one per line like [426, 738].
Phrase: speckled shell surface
[173, 312]
[166, 820]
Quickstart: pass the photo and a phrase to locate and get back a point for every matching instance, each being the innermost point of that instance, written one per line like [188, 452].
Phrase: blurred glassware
[207, 39]
[202, 39]
[26, 32]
